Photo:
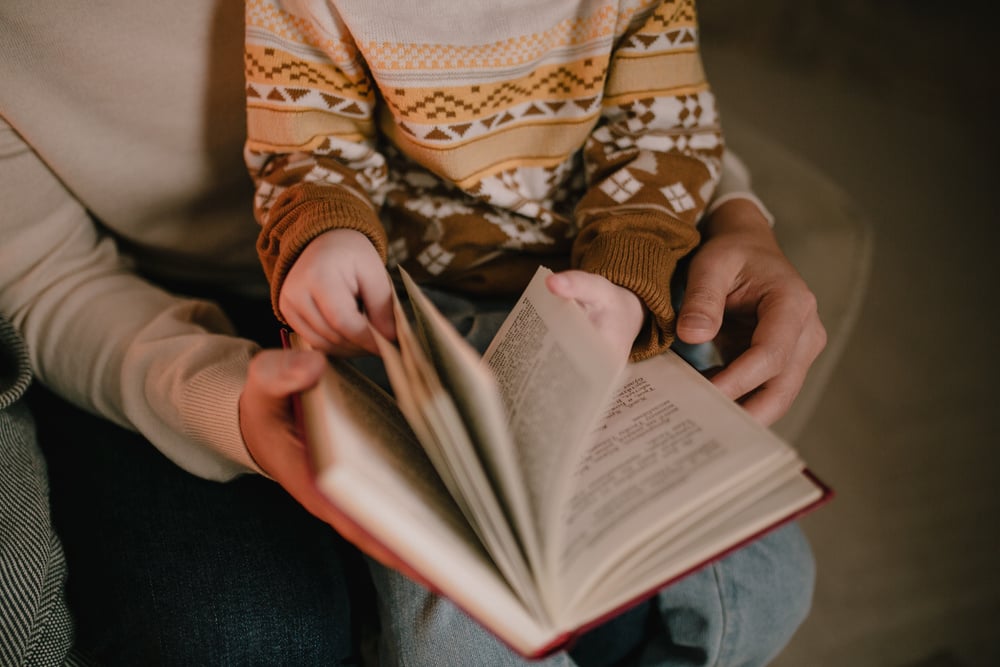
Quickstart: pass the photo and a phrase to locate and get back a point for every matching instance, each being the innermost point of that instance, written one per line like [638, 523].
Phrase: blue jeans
[169, 569]
[739, 611]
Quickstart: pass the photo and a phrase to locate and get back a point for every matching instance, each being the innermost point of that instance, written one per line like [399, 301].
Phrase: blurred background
[894, 102]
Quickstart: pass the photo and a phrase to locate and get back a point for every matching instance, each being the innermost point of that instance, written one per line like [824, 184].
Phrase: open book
[546, 485]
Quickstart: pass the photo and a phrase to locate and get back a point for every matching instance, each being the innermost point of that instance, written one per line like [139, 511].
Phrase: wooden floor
[909, 552]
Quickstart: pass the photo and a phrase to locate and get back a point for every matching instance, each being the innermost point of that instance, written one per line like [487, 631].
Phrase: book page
[663, 547]
[555, 375]
[440, 426]
[351, 422]
[408, 398]
[371, 468]
[669, 557]
[670, 449]
[477, 398]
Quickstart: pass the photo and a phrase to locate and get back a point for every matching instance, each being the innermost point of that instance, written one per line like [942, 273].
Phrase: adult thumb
[274, 375]
[704, 302]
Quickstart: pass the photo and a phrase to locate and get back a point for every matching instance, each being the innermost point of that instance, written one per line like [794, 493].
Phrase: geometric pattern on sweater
[505, 51]
[299, 77]
[266, 21]
[483, 150]
[293, 97]
[580, 80]
[267, 63]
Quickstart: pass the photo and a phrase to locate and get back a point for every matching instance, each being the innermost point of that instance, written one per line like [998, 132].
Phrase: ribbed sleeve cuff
[643, 263]
[210, 409]
[302, 213]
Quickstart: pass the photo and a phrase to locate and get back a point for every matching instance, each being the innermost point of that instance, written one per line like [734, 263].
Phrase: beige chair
[824, 236]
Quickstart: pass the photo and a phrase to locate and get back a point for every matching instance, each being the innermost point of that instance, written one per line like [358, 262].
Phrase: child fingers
[376, 296]
[343, 323]
[584, 288]
[311, 324]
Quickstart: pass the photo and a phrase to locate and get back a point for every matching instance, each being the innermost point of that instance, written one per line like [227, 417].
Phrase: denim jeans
[737, 612]
[169, 569]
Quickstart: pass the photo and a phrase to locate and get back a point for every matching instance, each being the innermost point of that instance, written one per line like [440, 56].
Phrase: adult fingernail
[695, 321]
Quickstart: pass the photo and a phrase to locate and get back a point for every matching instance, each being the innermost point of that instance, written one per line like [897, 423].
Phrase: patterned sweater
[470, 144]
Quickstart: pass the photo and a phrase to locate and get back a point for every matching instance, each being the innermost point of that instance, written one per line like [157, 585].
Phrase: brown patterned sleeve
[310, 136]
[652, 164]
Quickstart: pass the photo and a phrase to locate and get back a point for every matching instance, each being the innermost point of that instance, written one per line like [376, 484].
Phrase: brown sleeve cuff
[642, 261]
[302, 213]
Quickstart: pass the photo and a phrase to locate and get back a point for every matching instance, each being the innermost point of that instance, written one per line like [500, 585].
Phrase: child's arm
[312, 154]
[652, 163]
[337, 285]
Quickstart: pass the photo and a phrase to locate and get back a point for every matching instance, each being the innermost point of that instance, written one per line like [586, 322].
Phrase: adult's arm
[107, 340]
[743, 293]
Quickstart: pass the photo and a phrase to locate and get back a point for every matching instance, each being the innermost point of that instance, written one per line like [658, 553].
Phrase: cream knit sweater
[131, 114]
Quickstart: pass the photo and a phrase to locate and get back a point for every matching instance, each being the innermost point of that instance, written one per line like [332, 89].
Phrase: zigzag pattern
[299, 98]
[670, 14]
[302, 72]
[35, 623]
[673, 40]
[558, 85]
[580, 108]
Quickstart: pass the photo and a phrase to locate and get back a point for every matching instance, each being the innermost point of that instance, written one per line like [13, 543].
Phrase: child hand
[617, 312]
[334, 288]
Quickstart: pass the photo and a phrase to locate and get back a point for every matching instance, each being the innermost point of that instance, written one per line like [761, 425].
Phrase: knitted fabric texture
[35, 625]
[474, 141]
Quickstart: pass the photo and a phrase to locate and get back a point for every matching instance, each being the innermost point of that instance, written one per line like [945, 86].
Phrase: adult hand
[334, 288]
[744, 293]
[271, 435]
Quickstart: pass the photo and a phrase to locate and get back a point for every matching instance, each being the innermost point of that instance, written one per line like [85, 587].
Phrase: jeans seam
[723, 617]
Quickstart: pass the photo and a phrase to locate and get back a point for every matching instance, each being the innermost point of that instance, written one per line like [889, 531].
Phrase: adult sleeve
[735, 183]
[107, 340]
[652, 164]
